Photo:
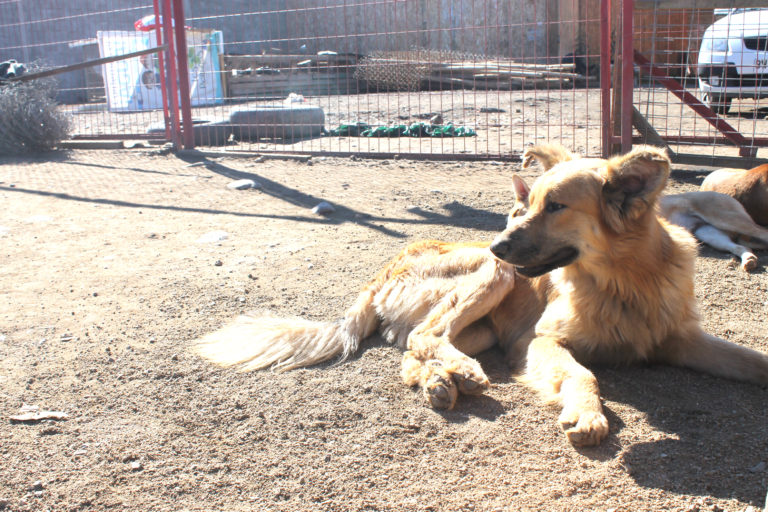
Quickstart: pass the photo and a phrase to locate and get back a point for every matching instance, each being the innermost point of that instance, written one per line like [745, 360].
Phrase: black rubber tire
[278, 122]
[212, 134]
[207, 133]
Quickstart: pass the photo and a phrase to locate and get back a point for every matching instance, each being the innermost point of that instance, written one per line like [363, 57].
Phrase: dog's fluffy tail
[257, 342]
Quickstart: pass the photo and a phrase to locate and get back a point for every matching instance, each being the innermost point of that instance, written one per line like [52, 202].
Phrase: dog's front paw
[439, 388]
[465, 371]
[584, 428]
[443, 376]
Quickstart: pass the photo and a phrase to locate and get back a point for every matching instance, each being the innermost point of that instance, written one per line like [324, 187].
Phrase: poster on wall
[134, 84]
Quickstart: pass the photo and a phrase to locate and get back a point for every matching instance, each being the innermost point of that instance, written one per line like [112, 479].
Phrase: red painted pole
[187, 135]
[605, 75]
[173, 76]
[161, 66]
[627, 74]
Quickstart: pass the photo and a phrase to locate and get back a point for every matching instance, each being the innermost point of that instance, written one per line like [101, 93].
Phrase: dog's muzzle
[528, 265]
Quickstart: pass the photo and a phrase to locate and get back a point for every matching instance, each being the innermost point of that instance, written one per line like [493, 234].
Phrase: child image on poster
[147, 93]
[149, 75]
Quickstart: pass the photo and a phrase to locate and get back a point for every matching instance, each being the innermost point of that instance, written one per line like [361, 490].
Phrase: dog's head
[579, 207]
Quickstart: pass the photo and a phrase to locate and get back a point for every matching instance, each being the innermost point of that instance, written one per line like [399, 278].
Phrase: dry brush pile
[30, 120]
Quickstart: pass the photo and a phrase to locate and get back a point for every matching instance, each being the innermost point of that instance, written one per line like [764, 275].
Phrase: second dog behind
[719, 221]
[749, 187]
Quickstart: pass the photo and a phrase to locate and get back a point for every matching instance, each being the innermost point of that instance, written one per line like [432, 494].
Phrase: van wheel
[718, 103]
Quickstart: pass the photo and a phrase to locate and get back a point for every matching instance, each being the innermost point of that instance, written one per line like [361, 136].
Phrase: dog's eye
[553, 206]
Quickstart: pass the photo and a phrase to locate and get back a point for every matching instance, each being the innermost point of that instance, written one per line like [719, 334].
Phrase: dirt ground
[108, 277]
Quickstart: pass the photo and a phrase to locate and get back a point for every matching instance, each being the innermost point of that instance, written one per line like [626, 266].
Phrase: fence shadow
[459, 215]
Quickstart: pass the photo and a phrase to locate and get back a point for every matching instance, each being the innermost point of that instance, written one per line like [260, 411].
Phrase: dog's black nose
[500, 248]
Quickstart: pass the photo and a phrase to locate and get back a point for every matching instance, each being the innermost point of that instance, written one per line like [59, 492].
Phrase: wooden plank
[500, 84]
[648, 133]
[718, 161]
[258, 79]
[223, 75]
[297, 83]
[245, 61]
[286, 61]
[507, 65]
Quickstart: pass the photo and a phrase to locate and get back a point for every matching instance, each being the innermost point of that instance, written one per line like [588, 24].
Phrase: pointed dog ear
[548, 155]
[633, 182]
[521, 189]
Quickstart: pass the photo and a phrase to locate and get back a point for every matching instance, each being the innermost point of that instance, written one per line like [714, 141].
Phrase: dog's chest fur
[626, 311]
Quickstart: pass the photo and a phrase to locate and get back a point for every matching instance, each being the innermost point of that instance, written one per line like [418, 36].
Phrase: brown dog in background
[586, 271]
[749, 187]
[726, 212]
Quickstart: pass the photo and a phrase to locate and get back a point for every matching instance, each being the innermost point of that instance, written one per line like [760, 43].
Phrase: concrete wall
[489, 27]
[511, 28]
[524, 29]
[249, 27]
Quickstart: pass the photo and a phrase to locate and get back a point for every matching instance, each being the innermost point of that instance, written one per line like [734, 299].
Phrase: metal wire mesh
[732, 81]
[56, 34]
[508, 73]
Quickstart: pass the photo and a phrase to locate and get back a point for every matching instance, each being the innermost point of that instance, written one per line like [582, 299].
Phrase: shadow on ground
[706, 420]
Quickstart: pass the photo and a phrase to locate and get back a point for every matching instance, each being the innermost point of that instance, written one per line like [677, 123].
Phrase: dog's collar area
[561, 258]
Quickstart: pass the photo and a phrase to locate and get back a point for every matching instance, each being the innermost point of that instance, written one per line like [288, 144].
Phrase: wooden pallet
[302, 74]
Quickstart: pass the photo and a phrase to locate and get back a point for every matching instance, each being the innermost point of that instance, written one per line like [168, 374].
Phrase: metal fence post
[161, 66]
[605, 76]
[627, 74]
[187, 135]
[172, 76]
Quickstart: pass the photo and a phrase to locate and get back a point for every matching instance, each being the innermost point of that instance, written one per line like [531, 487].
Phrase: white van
[733, 59]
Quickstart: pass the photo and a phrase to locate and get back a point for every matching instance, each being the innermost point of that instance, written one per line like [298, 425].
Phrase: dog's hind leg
[727, 214]
[712, 236]
[433, 360]
[709, 354]
[552, 370]
[475, 338]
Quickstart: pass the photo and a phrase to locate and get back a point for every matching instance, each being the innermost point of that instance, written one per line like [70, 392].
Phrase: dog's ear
[520, 189]
[633, 182]
[548, 155]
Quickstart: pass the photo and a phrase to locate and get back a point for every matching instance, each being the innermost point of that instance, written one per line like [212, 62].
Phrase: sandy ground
[106, 282]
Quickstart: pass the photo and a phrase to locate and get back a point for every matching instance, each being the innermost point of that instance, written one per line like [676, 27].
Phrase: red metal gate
[427, 78]
[463, 79]
[661, 90]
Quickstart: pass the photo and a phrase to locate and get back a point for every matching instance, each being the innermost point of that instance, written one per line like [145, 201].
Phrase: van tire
[718, 103]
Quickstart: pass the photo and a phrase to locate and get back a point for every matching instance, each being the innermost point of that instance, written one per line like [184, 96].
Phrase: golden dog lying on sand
[586, 271]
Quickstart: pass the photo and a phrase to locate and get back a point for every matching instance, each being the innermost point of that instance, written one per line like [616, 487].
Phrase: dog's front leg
[552, 370]
[433, 359]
